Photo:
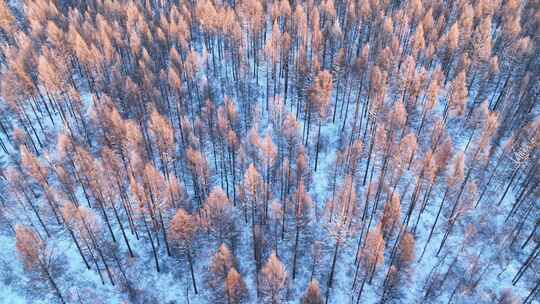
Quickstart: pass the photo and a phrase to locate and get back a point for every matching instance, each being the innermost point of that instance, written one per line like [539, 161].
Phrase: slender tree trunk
[532, 293]
[190, 260]
[528, 262]
[297, 234]
[334, 259]
[122, 229]
[164, 232]
[151, 243]
[362, 287]
[434, 223]
[53, 284]
[317, 146]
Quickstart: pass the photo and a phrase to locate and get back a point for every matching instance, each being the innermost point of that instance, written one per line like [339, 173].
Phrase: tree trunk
[151, 243]
[295, 251]
[334, 259]
[190, 260]
[53, 284]
[122, 229]
[434, 223]
[164, 232]
[317, 146]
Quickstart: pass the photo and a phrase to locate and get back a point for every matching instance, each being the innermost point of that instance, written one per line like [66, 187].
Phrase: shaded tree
[37, 257]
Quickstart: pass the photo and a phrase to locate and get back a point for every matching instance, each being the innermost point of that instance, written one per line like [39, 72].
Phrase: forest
[269, 151]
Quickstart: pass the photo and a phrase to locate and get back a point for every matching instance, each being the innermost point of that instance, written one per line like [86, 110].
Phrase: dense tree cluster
[247, 151]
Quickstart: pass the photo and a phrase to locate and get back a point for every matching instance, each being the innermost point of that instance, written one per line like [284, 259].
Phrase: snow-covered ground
[495, 273]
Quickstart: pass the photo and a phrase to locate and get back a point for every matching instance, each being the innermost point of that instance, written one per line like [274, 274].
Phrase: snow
[173, 284]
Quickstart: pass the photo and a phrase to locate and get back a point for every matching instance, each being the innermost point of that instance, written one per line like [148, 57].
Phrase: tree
[88, 168]
[269, 152]
[253, 184]
[406, 251]
[320, 98]
[19, 189]
[273, 280]
[371, 256]
[341, 215]
[84, 224]
[143, 203]
[7, 25]
[276, 219]
[312, 294]
[163, 136]
[400, 268]
[218, 216]
[455, 176]
[236, 288]
[221, 264]
[198, 165]
[37, 257]
[183, 231]
[222, 261]
[39, 173]
[457, 98]
[391, 216]
[302, 206]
